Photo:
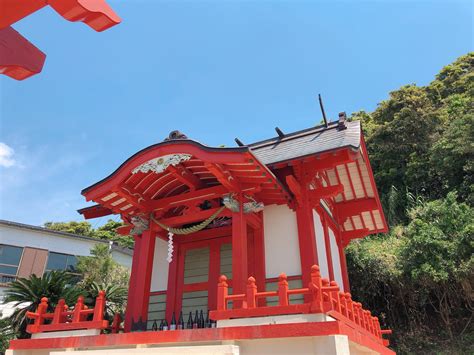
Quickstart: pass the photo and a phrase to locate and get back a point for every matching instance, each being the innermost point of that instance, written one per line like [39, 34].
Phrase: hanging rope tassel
[170, 247]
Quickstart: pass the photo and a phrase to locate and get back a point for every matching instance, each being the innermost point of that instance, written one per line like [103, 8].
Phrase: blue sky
[215, 70]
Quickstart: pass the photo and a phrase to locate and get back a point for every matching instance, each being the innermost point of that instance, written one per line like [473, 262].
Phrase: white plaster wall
[282, 252]
[122, 258]
[53, 242]
[320, 244]
[22, 237]
[336, 263]
[159, 276]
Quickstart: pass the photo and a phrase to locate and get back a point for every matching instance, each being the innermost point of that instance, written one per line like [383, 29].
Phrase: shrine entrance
[199, 264]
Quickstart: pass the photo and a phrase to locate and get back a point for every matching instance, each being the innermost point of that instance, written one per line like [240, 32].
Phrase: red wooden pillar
[140, 279]
[342, 260]
[327, 243]
[239, 253]
[306, 233]
[171, 294]
[259, 259]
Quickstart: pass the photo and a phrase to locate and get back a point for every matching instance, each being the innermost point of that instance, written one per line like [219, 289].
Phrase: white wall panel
[320, 245]
[336, 263]
[282, 252]
[159, 276]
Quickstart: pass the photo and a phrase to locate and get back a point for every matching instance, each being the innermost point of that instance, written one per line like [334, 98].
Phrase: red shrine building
[237, 250]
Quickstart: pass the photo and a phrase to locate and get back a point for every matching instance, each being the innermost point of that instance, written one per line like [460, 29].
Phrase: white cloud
[6, 155]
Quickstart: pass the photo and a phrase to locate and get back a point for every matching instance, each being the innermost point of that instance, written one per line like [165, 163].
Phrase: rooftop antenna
[322, 110]
[279, 132]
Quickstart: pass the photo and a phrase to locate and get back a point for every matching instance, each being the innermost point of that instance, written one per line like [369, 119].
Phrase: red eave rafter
[236, 169]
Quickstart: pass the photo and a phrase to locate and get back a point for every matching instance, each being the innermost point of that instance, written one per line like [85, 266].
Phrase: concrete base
[324, 345]
[67, 333]
[286, 319]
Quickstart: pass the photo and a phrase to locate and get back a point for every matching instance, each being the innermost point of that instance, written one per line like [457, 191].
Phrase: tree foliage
[421, 139]
[27, 293]
[104, 232]
[96, 272]
[419, 277]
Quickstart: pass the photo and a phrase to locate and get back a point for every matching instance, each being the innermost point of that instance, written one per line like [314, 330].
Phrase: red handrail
[64, 319]
[326, 298]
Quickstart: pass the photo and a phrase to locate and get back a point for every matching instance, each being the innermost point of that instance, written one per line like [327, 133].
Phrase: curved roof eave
[187, 146]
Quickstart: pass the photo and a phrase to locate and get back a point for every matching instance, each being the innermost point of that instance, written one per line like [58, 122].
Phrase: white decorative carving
[158, 165]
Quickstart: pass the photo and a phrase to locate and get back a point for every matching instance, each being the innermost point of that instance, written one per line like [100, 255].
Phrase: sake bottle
[173, 323]
[189, 324]
[180, 324]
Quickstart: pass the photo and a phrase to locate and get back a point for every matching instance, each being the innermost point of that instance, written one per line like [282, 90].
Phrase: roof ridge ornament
[341, 124]
[175, 135]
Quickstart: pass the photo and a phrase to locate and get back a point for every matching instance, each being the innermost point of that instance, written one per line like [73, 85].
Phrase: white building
[27, 250]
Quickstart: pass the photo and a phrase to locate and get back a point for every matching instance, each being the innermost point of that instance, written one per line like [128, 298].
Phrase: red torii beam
[19, 59]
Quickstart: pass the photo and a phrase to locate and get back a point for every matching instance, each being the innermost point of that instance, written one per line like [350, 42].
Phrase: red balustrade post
[282, 290]
[222, 292]
[350, 309]
[377, 327]
[368, 321]
[335, 296]
[326, 295]
[316, 289]
[76, 316]
[58, 312]
[251, 292]
[99, 307]
[39, 315]
[357, 307]
[343, 301]
[116, 323]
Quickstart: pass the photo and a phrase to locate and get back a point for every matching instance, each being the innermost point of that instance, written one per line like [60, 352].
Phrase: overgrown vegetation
[94, 273]
[105, 232]
[419, 277]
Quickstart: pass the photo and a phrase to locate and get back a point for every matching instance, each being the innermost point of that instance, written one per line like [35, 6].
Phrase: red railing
[64, 319]
[325, 296]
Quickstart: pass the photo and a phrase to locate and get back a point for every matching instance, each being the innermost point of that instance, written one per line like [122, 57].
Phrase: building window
[58, 261]
[9, 259]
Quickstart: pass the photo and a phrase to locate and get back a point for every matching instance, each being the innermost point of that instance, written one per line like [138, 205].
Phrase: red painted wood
[140, 297]
[171, 291]
[374, 187]
[194, 197]
[184, 147]
[327, 243]
[13, 11]
[19, 59]
[342, 260]
[214, 273]
[94, 13]
[239, 252]
[259, 258]
[132, 283]
[306, 231]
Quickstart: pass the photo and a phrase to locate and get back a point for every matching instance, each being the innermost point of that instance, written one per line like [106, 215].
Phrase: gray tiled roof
[307, 142]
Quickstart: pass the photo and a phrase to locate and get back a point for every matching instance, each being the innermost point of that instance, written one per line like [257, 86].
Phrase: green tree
[105, 232]
[27, 293]
[101, 272]
[438, 257]
[80, 228]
